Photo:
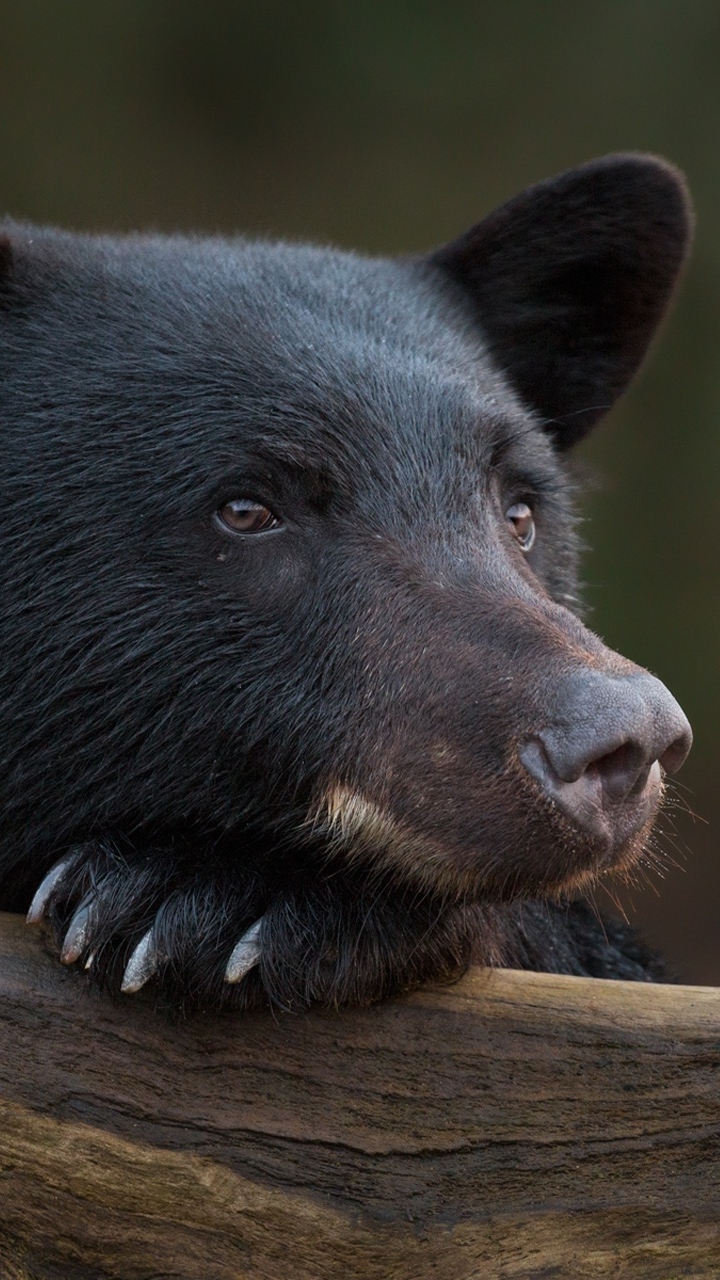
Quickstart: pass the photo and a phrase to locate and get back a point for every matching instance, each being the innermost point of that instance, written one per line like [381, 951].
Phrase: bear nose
[602, 755]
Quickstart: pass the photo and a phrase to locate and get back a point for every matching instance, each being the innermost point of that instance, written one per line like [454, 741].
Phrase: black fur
[181, 706]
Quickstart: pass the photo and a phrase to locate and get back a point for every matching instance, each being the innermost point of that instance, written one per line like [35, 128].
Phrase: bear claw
[245, 954]
[45, 890]
[78, 934]
[141, 966]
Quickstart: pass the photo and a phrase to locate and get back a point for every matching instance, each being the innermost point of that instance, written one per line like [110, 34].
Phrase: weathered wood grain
[514, 1125]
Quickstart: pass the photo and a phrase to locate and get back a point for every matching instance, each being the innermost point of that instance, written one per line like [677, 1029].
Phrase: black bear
[297, 704]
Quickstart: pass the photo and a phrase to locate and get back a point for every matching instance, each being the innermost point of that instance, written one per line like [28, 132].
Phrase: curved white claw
[78, 934]
[245, 954]
[141, 966]
[44, 890]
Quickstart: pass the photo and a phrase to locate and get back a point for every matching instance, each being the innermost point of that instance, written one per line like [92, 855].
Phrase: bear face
[296, 695]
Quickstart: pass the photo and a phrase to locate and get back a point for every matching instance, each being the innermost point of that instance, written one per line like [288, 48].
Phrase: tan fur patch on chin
[360, 830]
[358, 827]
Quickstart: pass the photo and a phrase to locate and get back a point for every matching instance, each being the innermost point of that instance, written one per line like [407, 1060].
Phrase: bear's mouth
[611, 836]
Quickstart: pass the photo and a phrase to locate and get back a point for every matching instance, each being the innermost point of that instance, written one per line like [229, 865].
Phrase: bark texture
[514, 1125]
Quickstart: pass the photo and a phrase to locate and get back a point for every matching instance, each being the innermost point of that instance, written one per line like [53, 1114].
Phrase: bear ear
[570, 280]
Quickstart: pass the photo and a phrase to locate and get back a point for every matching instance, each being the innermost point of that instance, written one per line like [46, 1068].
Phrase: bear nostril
[623, 772]
[676, 754]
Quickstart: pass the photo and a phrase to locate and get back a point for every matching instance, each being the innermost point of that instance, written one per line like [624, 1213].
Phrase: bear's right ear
[570, 280]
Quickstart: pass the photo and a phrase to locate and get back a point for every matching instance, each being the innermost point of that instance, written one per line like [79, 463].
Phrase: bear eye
[520, 518]
[243, 515]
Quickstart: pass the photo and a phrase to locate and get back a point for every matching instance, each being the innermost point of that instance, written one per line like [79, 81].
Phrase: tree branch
[513, 1125]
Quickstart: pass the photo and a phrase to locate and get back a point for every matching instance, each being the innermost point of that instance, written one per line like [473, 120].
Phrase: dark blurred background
[392, 125]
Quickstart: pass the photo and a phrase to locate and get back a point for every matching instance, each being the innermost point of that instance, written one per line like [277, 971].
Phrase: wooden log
[513, 1125]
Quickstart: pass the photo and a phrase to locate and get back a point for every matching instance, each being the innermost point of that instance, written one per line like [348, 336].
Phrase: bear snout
[602, 757]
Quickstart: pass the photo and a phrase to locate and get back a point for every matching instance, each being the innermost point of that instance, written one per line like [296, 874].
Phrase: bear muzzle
[602, 757]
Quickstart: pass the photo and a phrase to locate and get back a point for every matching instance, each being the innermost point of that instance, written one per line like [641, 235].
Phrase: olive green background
[392, 125]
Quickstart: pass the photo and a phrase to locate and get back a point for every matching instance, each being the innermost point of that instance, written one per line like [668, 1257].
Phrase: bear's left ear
[571, 278]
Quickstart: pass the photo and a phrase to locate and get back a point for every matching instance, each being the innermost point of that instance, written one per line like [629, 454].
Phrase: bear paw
[130, 918]
[221, 937]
